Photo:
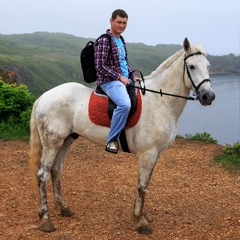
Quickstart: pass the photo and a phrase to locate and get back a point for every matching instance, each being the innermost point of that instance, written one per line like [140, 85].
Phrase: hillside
[43, 60]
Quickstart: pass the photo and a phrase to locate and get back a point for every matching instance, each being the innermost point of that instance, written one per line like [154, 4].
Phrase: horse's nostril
[213, 97]
[205, 97]
[208, 97]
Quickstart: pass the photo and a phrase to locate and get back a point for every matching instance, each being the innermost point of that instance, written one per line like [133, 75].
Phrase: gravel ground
[189, 197]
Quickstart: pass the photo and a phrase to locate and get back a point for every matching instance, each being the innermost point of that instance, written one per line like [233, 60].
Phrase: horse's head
[197, 66]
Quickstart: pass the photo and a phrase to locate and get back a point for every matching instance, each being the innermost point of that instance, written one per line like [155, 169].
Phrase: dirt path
[189, 196]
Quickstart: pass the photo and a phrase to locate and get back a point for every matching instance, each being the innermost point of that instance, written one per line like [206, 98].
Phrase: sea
[221, 119]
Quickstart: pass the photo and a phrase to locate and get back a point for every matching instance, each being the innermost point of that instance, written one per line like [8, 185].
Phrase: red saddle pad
[98, 111]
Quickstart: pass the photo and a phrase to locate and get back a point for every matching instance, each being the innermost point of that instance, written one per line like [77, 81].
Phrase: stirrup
[112, 147]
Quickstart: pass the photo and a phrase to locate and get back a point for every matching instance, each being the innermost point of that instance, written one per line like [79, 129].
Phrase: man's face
[118, 25]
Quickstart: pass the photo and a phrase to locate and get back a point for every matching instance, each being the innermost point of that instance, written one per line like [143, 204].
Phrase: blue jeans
[117, 92]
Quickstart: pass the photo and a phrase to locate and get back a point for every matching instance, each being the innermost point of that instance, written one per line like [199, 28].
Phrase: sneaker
[112, 147]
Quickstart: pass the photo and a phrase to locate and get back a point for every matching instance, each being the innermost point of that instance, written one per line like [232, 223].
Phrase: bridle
[144, 89]
[189, 75]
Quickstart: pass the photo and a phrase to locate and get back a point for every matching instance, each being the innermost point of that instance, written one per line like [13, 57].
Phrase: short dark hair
[119, 12]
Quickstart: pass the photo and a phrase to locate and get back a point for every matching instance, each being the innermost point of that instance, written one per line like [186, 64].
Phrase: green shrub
[14, 100]
[15, 111]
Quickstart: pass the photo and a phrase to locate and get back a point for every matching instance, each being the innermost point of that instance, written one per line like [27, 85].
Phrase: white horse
[61, 114]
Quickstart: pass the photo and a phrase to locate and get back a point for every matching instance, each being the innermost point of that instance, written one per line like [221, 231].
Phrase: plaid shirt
[107, 62]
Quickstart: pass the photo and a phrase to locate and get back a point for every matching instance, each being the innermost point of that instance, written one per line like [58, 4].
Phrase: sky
[214, 23]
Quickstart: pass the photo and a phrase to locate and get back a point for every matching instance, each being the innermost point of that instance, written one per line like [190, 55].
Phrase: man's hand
[136, 79]
[124, 80]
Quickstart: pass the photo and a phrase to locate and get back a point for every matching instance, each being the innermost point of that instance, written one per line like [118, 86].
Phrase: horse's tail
[35, 146]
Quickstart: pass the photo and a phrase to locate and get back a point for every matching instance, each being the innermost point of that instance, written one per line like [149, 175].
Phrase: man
[114, 74]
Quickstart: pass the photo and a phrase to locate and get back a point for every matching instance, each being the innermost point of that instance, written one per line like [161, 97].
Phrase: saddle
[101, 107]
[111, 105]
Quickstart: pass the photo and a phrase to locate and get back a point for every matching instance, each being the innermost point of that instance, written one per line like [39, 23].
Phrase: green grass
[202, 137]
[14, 131]
[230, 159]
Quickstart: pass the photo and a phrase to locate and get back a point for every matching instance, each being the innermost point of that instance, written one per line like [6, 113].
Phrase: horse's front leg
[146, 164]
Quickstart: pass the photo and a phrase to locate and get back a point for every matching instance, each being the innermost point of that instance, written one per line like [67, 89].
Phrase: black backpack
[87, 60]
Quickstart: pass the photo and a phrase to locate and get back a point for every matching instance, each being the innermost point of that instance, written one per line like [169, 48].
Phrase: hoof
[47, 226]
[66, 212]
[145, 229]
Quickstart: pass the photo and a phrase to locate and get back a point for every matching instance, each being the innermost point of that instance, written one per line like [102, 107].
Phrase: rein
[144, 89]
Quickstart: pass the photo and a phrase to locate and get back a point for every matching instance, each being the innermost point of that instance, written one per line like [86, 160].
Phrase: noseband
[188, 73]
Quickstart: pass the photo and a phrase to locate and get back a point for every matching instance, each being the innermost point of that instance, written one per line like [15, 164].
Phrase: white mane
[168, 62]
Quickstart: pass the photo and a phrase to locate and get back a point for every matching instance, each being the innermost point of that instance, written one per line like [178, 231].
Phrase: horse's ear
[186, 44]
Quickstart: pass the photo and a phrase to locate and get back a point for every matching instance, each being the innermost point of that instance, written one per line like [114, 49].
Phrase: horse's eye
[191, 67]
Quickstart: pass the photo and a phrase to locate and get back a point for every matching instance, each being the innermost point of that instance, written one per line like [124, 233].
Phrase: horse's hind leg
[56, 172]
[43, 175]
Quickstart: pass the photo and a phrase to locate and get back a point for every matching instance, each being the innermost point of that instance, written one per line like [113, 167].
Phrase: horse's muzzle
[206, 97]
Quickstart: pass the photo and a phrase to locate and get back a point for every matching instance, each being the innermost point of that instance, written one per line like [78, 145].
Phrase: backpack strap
[109, 39]
[105, 35]
[122, 39]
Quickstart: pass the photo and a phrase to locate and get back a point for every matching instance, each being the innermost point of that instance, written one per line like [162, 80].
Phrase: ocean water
[222, 118]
